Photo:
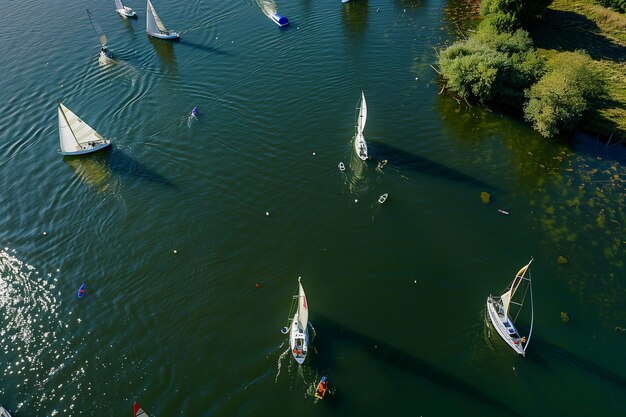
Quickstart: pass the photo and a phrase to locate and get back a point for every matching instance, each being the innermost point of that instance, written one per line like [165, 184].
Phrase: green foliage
[510, 15]
[618, 5]
[558, 101]
[492, 66]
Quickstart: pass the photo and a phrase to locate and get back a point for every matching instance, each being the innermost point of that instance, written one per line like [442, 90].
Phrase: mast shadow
[542, 345]
[123, 165]
[405, 160]
[392, 356]
[204, 48]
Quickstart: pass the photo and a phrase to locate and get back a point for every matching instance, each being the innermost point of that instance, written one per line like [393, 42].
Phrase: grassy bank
[569, 25]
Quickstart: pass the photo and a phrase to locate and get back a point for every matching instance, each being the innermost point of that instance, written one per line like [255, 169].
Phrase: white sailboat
[104, 51]
[76, 136]
[4, 412]
[360, 146]
[299, 332]
[499, 311]
[124, 11]
[156, 28]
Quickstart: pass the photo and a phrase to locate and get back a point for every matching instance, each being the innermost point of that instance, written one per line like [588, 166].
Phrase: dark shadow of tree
[568, 31]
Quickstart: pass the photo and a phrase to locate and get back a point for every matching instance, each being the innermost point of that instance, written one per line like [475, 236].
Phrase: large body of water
[396, 291]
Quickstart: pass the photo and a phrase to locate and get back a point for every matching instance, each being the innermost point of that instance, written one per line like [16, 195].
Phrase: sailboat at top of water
[76, 136]
[155, 27]
[299, 331]
[104, 51]
[360, 146]
[500, 310]
[124, 11]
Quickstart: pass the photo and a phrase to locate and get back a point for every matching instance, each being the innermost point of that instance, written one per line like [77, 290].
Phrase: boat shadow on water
[542, 348]
[392, 356]
[404, 160]
[125, 166]
[204, 48]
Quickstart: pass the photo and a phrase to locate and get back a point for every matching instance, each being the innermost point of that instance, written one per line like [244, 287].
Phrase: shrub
[558, 101]
[618, 5]
[510, 15]
[492, 66]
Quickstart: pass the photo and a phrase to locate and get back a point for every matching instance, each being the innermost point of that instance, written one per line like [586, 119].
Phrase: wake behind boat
[76, 136]
[299, 331]
[104, 51]
[124, 11]
[360, 146]
[499, 311]
[155, 27]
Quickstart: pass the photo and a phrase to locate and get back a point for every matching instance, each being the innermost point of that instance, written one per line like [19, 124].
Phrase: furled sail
[508, 295]
[73, 132]
[153, 22]
[303, 308]
[362, 115]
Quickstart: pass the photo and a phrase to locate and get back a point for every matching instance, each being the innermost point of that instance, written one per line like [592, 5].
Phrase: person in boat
[321, 388]
[523, 340]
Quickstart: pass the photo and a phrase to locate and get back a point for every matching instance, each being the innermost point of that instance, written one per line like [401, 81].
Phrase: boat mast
[532, 314]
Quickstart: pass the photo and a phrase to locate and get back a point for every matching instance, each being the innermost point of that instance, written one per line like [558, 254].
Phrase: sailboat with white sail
[124, 11]
[155, 27]
[104, 51]
[500, 310]
[299, 331]
[360, 146]
[76, 136]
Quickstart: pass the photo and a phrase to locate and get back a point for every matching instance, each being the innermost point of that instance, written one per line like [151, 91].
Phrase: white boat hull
[298, 341]
[88, 149]
[126, 12]
[167, 36]
[504, 326]
[360, 147]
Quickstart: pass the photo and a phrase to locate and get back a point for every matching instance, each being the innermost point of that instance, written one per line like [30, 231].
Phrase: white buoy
[175, 251]
[356, 201]
[313, 153]
[267, 213]
[44, 233]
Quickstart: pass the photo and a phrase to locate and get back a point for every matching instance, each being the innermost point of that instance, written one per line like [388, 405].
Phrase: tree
[510, 15]
[559, 100]
[492, 66]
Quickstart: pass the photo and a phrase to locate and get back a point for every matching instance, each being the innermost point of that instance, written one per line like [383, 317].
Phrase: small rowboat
[81, 291]
[341, 166]
[383, 198]
[322, 387]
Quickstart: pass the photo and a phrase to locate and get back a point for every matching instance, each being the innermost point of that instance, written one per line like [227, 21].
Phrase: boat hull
[360, 147]
[504, 326]
[298, 341]
[126, 12]
[281, 21]
[88, 150]
[171, 36]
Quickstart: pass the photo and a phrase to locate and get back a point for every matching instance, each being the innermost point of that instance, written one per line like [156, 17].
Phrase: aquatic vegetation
[564, 317]
[485, 197]
[562, 260]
